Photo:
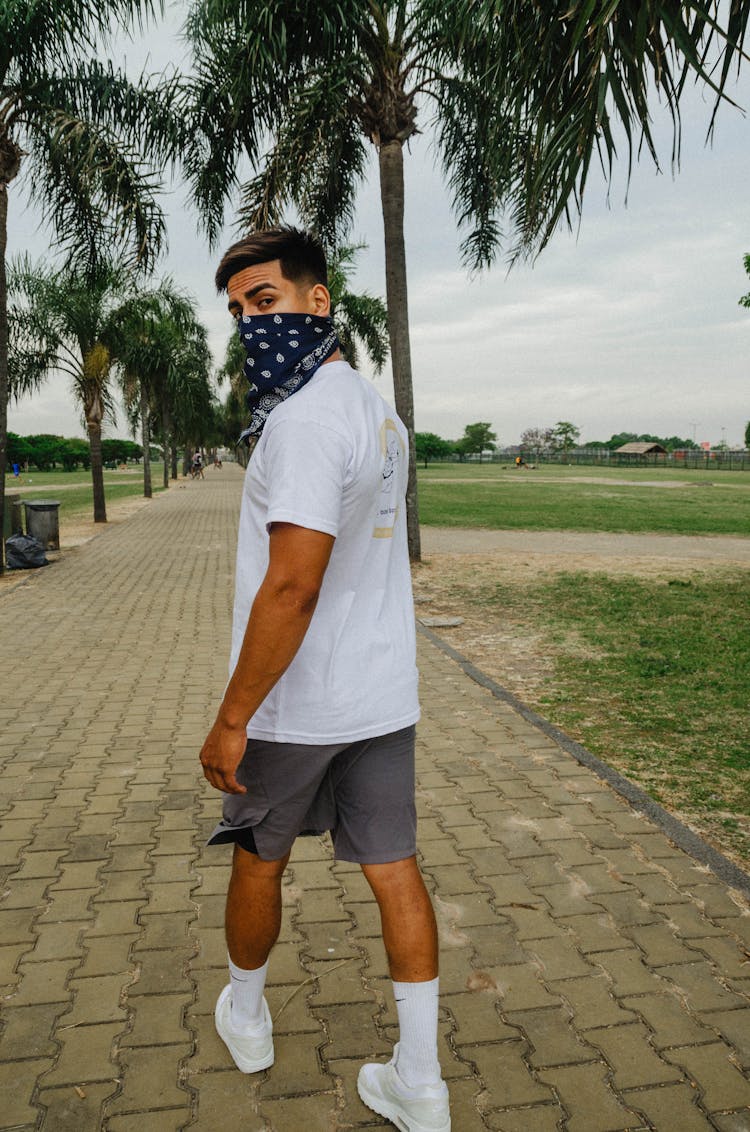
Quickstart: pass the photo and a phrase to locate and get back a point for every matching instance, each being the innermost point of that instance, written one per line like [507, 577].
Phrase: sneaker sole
[379, 1104]
[244, 1064]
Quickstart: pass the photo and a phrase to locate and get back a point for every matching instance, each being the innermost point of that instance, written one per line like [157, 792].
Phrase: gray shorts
[362, 792]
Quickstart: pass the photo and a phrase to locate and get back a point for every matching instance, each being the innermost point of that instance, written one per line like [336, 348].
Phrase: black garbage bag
[22, 552]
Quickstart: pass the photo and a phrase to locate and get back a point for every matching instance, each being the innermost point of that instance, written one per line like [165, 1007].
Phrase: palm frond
[36, 345]
[232, 369]
[33, 34]
[317, 162]
[97, 193]
[572, 80]
[480, 149]
[363, 318]
[146, 115]
[261, 91]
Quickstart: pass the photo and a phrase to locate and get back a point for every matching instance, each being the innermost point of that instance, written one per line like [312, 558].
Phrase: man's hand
[221, 754]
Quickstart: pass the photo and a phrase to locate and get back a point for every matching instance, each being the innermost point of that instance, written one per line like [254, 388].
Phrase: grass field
[659, 683]
[650, 673]
[74, 492]
[585, 499]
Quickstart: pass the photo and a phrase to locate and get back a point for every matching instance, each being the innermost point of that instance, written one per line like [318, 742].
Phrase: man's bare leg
[253, 917]
[253, 920]
[253, 913]
[407, 918]
[410, 1088]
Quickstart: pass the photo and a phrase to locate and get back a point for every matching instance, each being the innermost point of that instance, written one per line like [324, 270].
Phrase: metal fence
[688, 458]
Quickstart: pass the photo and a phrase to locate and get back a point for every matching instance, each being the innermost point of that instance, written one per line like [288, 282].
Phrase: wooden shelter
[640, 448]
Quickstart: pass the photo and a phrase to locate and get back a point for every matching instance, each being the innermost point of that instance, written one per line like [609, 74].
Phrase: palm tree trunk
[3, 362]
[165, 428]
[174, 461]
[146, 442]
[97, 470]
[391, 156]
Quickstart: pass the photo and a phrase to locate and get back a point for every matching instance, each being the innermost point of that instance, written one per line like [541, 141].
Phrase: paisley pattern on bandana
[283, 353]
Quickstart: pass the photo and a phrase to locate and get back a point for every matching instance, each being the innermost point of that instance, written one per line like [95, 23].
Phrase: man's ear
[321, 300]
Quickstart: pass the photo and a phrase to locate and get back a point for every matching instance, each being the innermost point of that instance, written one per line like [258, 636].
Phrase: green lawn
[652, 675]
[553, 498]
[74, 492]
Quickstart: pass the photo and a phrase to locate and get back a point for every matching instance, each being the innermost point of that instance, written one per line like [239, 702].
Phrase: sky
[630, 323]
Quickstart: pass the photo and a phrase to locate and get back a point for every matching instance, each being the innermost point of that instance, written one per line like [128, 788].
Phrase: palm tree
[520, 97]
[183, 394]
[164, 364]
[361, 320]
[66, 320]
[78, 130]
[135, 355]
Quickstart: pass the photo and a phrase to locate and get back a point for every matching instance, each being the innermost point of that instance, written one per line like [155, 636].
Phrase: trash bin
[12, 520]
[43, 522]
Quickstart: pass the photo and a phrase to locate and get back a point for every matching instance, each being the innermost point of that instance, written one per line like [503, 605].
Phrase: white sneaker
[251, 1050]
[421, 1109]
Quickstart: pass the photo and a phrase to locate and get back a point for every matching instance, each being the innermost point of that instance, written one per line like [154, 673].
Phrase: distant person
[520, 462]
[316, 729]
[217, 461]
[16, 470]
[197, 467]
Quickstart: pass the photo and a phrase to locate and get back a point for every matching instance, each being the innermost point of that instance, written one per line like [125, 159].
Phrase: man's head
[277, 271]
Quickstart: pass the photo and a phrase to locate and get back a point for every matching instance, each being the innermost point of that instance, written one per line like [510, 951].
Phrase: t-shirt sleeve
[306, 467]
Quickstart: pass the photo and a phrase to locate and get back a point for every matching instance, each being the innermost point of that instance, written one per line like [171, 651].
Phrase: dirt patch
[78, 531]
[575, 550]
[505, 645]
[606, 480]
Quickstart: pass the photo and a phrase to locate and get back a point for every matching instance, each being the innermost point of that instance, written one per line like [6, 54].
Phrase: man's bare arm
[280, 617]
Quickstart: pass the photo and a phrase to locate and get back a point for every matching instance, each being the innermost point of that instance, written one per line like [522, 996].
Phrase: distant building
[641, 448]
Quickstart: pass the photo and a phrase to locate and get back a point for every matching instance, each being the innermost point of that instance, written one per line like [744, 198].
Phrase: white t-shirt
[333, 458]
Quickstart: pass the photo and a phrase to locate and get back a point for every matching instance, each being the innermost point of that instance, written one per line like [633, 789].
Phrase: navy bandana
[283, 353]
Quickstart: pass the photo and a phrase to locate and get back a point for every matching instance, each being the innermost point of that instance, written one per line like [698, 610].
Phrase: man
[316, 728]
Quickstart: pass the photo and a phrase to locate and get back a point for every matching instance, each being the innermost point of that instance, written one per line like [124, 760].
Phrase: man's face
[262, 289]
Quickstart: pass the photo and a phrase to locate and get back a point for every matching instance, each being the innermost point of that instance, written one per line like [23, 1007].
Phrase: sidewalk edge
[679, 833]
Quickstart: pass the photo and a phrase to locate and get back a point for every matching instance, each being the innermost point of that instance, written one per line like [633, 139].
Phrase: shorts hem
[388, 858]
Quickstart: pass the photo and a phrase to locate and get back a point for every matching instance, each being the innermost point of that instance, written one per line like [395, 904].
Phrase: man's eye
[262, 302]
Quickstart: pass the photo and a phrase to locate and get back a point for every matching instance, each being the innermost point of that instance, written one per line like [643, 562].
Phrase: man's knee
[393, 876]
[247, 865]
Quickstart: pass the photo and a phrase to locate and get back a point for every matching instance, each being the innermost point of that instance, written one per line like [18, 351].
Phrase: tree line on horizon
[479, 438]
[522, 98]
[45, 451]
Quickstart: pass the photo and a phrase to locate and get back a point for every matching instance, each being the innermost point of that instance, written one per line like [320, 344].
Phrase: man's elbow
[296, 595]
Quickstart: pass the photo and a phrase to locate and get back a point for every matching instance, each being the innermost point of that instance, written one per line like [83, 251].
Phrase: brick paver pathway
[594, 977]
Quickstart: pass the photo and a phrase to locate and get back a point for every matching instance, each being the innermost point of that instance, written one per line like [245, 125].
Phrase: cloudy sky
[630, 323]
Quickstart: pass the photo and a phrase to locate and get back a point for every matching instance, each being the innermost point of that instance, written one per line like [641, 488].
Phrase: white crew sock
[417, 1006]
[247, 995]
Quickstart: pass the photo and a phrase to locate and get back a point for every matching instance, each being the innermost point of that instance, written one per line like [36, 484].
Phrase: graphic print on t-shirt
[393, 452]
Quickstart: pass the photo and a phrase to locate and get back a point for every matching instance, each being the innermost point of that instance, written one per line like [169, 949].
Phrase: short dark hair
[300, 253]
